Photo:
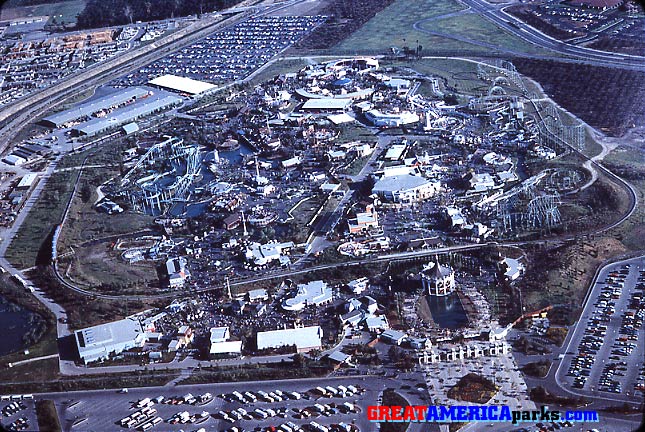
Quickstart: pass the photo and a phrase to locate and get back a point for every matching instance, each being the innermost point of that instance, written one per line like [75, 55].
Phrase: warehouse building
[182, 85]
[87, 109]
[128, 114]
[303, 338]
[101, 341]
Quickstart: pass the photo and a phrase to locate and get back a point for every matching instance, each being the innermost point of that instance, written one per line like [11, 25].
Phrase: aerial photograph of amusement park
[322, 215]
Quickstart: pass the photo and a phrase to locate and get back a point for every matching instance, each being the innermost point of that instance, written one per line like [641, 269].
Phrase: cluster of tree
[473, 388]
[537, 369]
[102, 13]
[346, 16]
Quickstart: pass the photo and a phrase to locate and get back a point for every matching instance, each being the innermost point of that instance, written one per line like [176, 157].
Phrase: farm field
[607, 99]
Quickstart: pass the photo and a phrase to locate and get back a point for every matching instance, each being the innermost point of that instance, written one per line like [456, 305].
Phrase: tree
[86, 193]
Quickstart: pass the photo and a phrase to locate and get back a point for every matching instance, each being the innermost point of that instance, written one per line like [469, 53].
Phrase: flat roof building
[327, 105]
[182, 85]
[86, 109]
[27, 181]
[219, 343]
[303, 338]
[405, 188]
[125, 115]
[99, 342]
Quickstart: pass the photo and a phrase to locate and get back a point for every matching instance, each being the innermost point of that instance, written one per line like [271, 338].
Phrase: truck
[260, 413]
[143, 403]
[332, 390]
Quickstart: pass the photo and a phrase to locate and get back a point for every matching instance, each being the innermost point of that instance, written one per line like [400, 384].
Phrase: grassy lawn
[394, 26]
[350, 132]
[137, 378]
[459, 75]
[94, 263]
[481, 30]
[47, 416]
[279, 67]
[392, 398]
[37, 371]
[40, 222]
[62, 12]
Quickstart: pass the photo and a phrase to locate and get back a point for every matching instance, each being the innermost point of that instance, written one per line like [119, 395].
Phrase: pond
[447, 311]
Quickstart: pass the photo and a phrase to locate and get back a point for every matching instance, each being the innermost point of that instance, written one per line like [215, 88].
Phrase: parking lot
[231, 54]
[18, 413]
[232, 405]
[605, 355]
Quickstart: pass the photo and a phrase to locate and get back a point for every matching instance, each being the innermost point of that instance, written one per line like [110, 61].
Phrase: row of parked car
[20, 424]
[249, 397]
[594, 337]
[13, 408]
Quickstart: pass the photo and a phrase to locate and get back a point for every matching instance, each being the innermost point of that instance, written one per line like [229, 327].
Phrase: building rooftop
[437, 271]
[302, 338]
[312, 293]
[95, 105]
[327, 104]
[126, 114]
[399, 183]
[101, 340]
[230, 347]
[219, 334]
[182, 84]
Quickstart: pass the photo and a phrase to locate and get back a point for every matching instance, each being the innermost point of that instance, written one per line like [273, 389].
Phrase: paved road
[511, 24]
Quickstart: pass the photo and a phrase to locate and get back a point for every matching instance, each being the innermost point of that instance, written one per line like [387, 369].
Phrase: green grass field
[40, 222]
[395, 28]
[62, 12]
[474, 27]
[393, 25]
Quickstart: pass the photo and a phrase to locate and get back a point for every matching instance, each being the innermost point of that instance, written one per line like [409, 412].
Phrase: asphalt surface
[634, 360]
[103, 408]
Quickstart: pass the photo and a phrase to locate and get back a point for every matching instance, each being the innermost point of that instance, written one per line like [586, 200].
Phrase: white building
[314, 293]
[380, 119]
[182, 85]
[177, 272]
[303, 338]
[259, 294]
[357, 286]
[264, 254]
[101, 341]
[405, 189]
[220, 344]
